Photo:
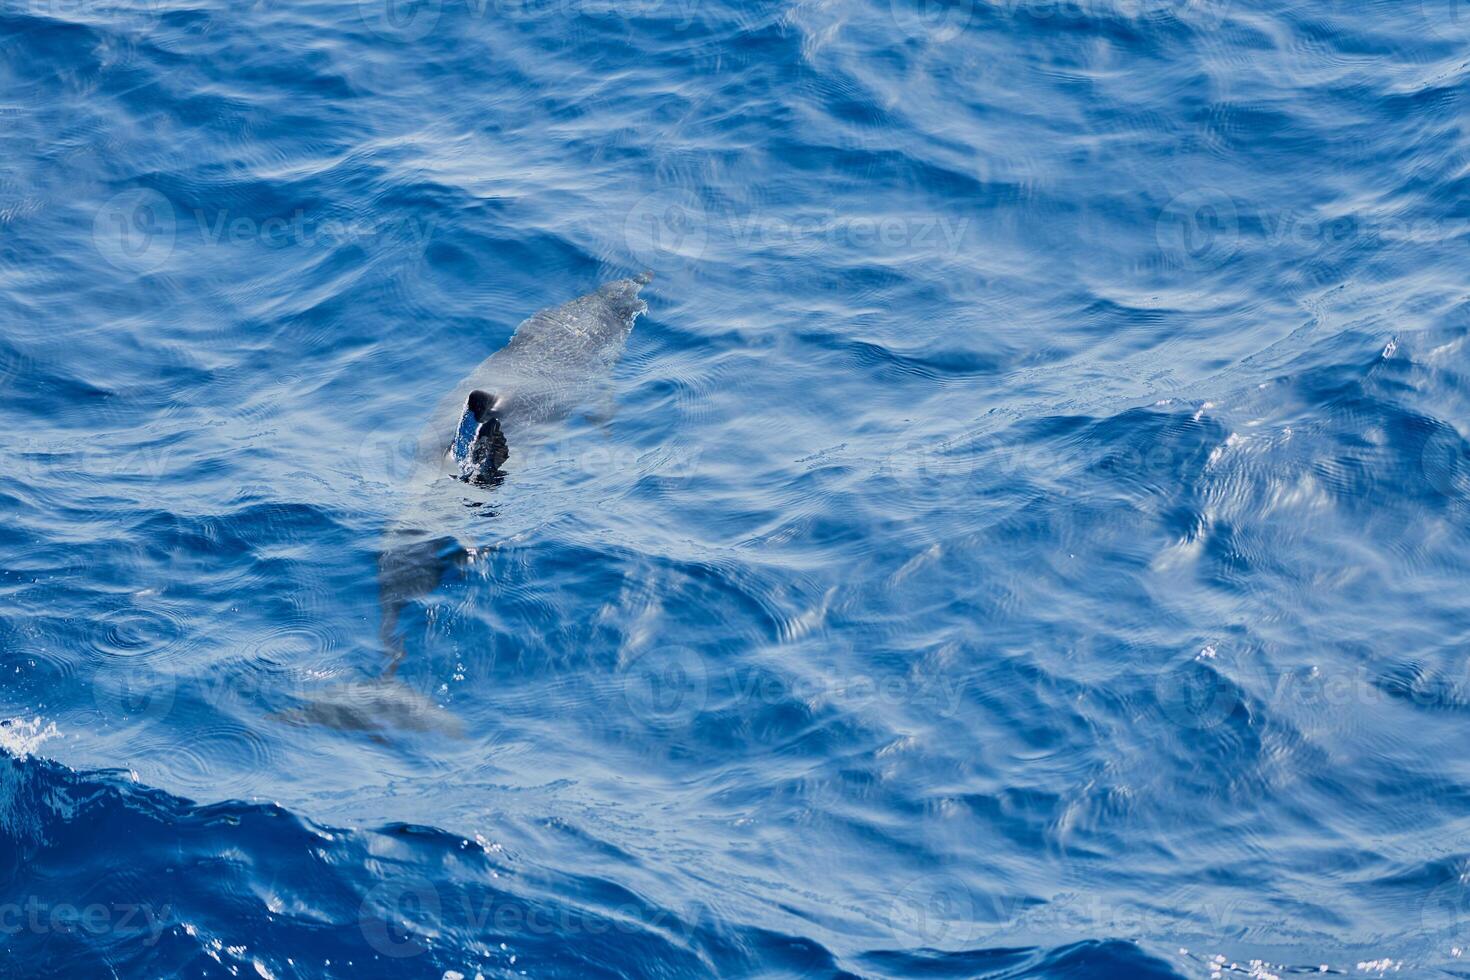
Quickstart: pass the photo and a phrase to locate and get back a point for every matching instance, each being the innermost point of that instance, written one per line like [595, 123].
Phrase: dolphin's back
[585, 331]
[552, 365]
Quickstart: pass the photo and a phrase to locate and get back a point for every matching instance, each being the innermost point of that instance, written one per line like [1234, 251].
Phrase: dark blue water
[1030, 540]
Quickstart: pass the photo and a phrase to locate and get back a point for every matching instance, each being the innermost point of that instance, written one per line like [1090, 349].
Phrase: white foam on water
[20, 738]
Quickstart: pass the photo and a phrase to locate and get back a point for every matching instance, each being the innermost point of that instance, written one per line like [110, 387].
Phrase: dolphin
[557, 363]
[553, 365]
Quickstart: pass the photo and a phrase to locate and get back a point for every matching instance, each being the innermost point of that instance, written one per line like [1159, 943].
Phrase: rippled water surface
[1026, 536]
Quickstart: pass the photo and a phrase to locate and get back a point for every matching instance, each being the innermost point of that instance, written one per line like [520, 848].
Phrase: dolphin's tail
[378, 709]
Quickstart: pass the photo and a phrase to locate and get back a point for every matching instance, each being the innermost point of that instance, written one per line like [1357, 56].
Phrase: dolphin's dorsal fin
[479, 402]
[476, 408]
[490, 443]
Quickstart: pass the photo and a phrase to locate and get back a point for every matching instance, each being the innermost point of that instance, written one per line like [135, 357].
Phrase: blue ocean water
[1029, 540]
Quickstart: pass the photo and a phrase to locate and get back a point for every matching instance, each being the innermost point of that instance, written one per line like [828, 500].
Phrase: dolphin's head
[479, 445]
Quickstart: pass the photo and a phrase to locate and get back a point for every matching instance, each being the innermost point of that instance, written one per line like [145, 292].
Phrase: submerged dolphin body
[557, 363]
